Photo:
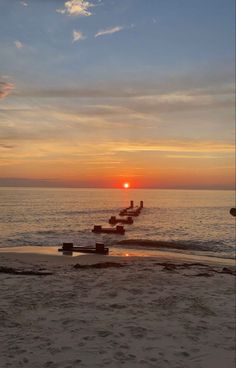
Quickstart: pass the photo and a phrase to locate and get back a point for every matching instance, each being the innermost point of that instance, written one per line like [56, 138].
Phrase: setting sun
[126, 185]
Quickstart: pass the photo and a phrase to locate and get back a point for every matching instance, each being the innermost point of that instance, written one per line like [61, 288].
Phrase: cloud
[18, 44]
[28, 182]
[177, 102]
[141, 99]
[5, 89]
[24, 3]
[78, 36]
[6, 146]
[106, 91]
[109, 31]
[76, 7]
[177, 146]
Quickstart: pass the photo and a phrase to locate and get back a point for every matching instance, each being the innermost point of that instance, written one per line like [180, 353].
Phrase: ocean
[194, 221]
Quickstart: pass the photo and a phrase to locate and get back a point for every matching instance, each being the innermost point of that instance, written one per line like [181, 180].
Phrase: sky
[96, 93]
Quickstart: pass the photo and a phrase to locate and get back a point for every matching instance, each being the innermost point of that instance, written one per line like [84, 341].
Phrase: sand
[140, 315]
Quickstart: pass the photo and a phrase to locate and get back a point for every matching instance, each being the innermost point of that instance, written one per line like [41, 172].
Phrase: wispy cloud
[78, 36]
[24, 3]
[109, 31]
[5, 89]
[147, 100]
[18, 44]
[86, 91]
[76, 7]
[177, 146]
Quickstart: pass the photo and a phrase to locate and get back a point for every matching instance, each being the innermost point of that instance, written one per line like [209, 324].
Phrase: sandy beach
[145, 312]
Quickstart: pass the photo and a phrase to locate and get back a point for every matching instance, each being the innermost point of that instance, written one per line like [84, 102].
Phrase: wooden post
[67, 246]
[99, 248]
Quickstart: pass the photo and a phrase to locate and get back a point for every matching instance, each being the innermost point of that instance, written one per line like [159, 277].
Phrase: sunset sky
[97, 93]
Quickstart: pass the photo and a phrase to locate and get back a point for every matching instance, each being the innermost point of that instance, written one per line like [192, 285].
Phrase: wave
[180, 245]
[89, 211]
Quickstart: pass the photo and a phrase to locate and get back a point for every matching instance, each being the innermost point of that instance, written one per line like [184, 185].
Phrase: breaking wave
[209, 246]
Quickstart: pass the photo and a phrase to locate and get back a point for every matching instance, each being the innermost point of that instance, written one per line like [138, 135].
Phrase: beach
[135, 312]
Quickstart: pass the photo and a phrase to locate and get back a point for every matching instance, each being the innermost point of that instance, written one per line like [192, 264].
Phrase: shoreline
[50, 254]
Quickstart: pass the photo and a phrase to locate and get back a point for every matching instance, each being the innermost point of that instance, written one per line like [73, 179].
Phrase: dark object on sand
[233, 211]
[13, 271]
[207, 272]
[118, 230]
[169, 267]
[69, 248]
[228, 271]
[204, 274]
[114, 220]
[100, 265]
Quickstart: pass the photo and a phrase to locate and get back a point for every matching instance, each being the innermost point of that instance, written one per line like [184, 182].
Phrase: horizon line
[116, 188]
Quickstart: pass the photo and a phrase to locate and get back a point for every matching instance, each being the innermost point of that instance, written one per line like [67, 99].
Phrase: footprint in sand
[119, 355]
[88, 338]
[126, 347]
[153, 359]
[182, 354]
[118, 306]
[137, 332]
[104, 333]
[112, 294]
[50, 364]
[136, 291]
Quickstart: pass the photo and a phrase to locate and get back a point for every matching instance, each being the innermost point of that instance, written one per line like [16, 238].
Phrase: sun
[126, 185]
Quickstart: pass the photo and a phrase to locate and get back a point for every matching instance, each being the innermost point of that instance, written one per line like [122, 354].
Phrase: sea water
[195, 221]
